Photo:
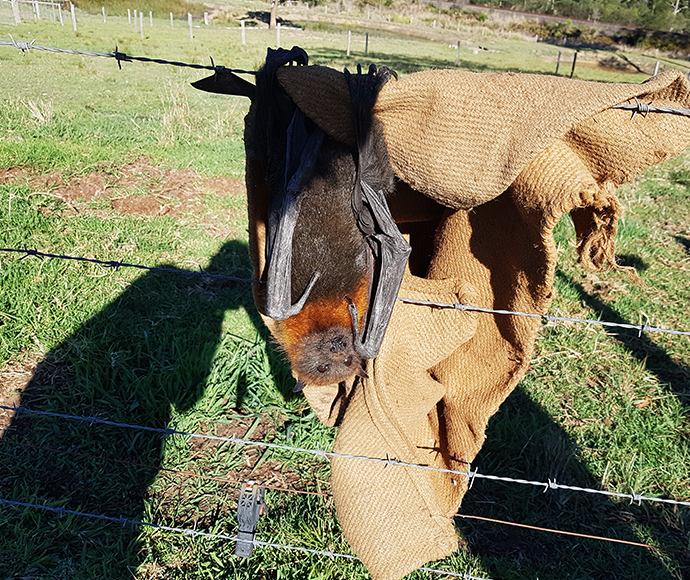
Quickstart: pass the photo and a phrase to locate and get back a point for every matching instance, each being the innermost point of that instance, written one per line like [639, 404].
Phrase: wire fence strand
[120, 57]
[469, 475]
[235, 481]
[61, 511]
[116, 264]
[547, 317]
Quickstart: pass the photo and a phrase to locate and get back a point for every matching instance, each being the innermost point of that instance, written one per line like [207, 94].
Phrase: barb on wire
[468, 475]
[547, 317]
[645, 108]
[120, 57]
[61, 511]
[117, 264]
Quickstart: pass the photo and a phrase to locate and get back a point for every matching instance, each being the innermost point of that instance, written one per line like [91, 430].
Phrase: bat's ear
[226, 83]
[323, 96]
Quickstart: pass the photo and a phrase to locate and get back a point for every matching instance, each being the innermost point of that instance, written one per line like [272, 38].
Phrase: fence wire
[120, 57]
[61, 511]
[469, 475]
[236, 481]
[116, 264]
[642, 108]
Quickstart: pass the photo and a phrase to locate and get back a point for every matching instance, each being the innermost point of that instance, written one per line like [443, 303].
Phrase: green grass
[599, 407]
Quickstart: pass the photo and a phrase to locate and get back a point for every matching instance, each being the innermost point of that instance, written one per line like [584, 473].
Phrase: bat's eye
[348, 361]
[323, 368]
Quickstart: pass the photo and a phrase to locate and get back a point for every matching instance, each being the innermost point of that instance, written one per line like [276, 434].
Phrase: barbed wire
[235, 481]
[637, 107]
[117, 264]
[457, 306]
[547, 317]
[120, 56]
[644, 108]
[469, 475]
[61, 511]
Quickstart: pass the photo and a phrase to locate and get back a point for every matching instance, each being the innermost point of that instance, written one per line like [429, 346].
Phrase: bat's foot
[364, 88]
[281, 57]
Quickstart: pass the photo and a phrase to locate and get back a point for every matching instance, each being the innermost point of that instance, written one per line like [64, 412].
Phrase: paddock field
[134, 165]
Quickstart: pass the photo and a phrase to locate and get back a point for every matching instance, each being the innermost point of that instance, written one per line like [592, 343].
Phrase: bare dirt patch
[139, 189]
[594, 286]
[12, 174]
[13, 380]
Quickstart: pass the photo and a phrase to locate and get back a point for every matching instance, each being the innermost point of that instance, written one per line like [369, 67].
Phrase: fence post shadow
[148, 352]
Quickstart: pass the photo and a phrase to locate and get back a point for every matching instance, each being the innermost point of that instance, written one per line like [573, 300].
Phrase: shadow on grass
[643, 348]
[523, 441]
[148, 352]
[685, 242]
[400, 63]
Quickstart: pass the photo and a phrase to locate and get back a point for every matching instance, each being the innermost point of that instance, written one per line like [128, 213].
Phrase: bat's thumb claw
[299, 385]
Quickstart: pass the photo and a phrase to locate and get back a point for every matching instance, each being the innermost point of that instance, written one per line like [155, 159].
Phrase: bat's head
[326, 357]
[319, 341]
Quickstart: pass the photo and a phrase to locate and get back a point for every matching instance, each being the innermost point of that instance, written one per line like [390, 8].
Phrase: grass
[599, 407]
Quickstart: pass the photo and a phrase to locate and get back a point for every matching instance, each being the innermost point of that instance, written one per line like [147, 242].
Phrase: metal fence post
[74, 17]
[15, 11]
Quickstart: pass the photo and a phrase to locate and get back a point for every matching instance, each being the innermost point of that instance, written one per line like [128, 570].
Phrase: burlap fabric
[508, 155]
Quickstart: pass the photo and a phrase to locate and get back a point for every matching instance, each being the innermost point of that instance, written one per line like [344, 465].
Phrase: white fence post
[38, 10]
[103, 10]
[60, 13]
[136, 22]
[244, 41]
[141, 23]
[206, 18]
[191, 30]
[129, 16]
[150, 19]
[171, 19]
[74, 17]
[278, 34]
[15, 11]
[349, 39]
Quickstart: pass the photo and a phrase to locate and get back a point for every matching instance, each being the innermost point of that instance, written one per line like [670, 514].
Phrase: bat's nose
[338, 344]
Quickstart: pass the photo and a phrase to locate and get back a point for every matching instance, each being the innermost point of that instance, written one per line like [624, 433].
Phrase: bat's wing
[289, 144]
[389, 249]
[302, 144]
[226, 83]
[391, 252]
[302, 150]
